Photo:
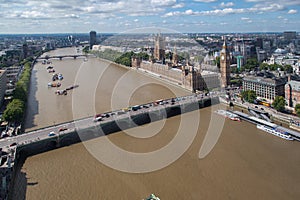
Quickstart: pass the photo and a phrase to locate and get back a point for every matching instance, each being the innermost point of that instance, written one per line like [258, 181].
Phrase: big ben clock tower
[225, 66]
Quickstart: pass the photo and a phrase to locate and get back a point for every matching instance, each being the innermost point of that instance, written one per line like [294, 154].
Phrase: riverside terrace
[64, 134]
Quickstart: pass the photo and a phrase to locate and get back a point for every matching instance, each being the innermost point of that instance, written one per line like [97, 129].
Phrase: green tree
[264, 66]
[274, 67]
[288, 68]
[20, 92]
[143, 56]
[297, 109]
[125, 59]
[279, 103]
[251, 64]
[86, 49]
[14, 111]
[217, 61]
[249, 95]
[236, 82]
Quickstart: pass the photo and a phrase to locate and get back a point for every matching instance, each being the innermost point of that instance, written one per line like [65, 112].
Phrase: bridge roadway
[81, 124]
[64, 56]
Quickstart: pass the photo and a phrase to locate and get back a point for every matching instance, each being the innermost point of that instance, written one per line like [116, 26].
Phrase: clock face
[222, 57]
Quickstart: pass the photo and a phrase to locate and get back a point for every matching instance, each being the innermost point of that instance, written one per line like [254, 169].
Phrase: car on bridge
[51, 134]
[13, 144]
[97, 119]
[62, 129]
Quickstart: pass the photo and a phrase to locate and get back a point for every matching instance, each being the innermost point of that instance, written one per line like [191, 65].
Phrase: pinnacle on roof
[224, 44]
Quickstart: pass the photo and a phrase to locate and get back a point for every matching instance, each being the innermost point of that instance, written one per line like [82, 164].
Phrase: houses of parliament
[185, 75]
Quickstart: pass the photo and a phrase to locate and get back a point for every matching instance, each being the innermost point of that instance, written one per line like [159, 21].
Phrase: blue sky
[115, 16]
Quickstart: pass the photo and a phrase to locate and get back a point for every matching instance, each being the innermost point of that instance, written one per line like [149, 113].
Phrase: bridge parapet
[62, 56]
[112, 122]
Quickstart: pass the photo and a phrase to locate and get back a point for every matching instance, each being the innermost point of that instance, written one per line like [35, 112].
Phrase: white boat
[228, 115]
[274, 132]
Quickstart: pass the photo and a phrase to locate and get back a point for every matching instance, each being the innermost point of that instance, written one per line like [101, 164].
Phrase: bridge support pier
[58, 142]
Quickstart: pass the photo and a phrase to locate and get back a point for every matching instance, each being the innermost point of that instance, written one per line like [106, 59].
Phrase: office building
[3, 81]
[265, 85]
[93, 39]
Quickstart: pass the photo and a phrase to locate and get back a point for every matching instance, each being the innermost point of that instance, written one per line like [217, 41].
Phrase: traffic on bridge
[59, 130]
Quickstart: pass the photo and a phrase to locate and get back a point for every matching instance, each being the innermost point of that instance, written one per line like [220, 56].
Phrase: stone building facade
[225, 66]
[292, 93]
[187, 77]
[159, 48]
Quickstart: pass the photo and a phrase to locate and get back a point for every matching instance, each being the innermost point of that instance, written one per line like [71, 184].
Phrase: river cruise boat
[228, 115]
[275, 132]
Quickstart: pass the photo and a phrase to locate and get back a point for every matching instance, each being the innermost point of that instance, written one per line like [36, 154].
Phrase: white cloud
[245, 18]
[54, 13]
[171, 14]
[58, 8]
[180, 5]
[27, 15]
[292, 11]
[225, 11]
[228, 4]
[269, 8]
[205, 1]
[189, 12]
[281, 2]
[72, 16]
[163, 2]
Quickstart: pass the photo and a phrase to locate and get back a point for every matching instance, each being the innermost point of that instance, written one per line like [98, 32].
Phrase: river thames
[245, 163]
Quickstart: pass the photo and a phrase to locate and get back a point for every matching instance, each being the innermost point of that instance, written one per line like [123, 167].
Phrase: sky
[121, 16]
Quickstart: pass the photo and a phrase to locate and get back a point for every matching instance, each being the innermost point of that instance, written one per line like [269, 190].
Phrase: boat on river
[54, 84]
[72, 87]
[275, 132]
[228, 114]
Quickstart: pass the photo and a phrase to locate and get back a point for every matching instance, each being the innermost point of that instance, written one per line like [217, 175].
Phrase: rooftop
[272, 81]
[295, 85]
